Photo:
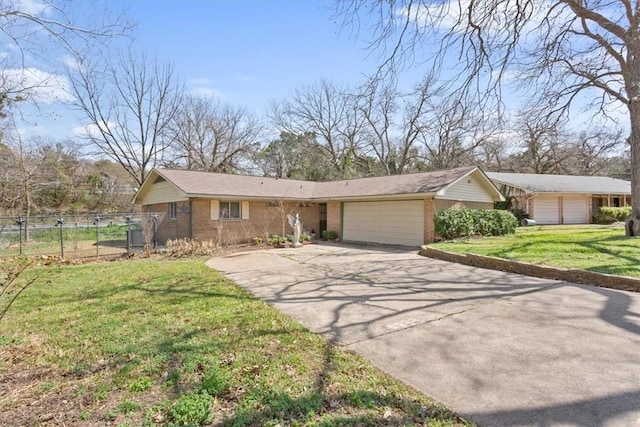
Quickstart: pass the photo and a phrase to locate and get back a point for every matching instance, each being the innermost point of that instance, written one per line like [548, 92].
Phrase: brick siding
[264, 220]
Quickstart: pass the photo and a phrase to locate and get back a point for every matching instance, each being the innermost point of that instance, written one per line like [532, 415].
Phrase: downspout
[342, 220]
[433, 218]
[527, 204]
[190, 218]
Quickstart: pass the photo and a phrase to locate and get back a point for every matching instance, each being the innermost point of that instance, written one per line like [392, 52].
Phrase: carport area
[498, 348]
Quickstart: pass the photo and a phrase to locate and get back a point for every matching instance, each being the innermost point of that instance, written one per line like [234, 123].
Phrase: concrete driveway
[498, 348]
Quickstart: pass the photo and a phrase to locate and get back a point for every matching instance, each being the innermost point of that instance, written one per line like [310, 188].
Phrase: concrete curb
[584, 277]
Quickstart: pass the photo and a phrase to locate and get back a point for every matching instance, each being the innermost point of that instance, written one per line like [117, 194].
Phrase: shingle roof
[205, 184]
[539, 183]
[415, 183]
[195, 183]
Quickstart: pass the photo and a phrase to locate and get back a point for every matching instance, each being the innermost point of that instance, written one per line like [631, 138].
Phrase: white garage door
[546, 210]
[575, 210]
[397, 223]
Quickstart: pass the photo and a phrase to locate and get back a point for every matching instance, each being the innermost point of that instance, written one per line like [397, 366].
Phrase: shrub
[329, 235]
[192, 409]
[187, 247]
[455, 223]
[609, 215]
[257, 240]
[277, 240]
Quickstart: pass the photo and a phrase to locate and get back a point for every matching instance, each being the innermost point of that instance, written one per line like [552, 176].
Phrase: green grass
[78, 241]
[159, 342]
[600, 248]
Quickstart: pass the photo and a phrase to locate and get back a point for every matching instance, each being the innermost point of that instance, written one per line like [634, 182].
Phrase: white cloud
[37, 85]
[72, 62]
[451, 16]
[207, 92]
[93, 130]
[202, 86]
[32, 7]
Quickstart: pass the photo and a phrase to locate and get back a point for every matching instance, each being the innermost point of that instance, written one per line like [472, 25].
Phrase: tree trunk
[632, 226]
[632, 83]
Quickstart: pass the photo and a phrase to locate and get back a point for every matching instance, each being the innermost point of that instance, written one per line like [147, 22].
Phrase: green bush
[455, 223]
[191, 409]
[277, 240]
[329, 235]
[609, 215]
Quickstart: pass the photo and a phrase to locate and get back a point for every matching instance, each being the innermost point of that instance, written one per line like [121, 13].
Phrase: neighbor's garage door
[546, 210]
[399, 223]
[575, 210]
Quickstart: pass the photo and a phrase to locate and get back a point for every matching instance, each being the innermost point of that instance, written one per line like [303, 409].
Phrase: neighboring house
[234, 208]
[562, 199]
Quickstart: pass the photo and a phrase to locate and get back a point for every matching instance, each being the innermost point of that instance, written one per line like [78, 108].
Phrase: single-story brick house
[562, 199]
[234, 208]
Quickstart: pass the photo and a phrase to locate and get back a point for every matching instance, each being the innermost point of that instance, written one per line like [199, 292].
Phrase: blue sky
[250, 51]
[245, 52]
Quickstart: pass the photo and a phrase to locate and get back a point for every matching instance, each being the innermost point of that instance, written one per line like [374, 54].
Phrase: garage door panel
[546, 210]
[397, 222]
[575, 210]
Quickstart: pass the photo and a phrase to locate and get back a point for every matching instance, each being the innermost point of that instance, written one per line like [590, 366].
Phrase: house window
[173, 210]
[230, 210]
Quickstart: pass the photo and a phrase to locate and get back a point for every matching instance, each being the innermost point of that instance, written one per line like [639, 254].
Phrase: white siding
[163, 192]
[468, 189]
[391, 222]
[575, 210]
[546, 210]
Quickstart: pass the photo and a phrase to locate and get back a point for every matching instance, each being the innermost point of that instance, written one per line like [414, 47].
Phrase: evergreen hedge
[609, 215]
[455, 223]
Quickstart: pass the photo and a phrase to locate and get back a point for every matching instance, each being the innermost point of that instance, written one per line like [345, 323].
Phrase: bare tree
[591, 151]
[493, 155]
[128, 108]
[26, 170]
[454, 131]
[209, 136]
[393, 123]
[331, 114]
[543, 144]
[566, 52]
[32, 29]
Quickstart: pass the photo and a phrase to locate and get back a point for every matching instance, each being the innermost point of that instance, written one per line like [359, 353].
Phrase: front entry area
[389, 222]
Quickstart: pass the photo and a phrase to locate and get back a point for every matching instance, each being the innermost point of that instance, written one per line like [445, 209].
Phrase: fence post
[155, 231]
[20, 223]
[60, 223]
[127, 219]
[96, 221]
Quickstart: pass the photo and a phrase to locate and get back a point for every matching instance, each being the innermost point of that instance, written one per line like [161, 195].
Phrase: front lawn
[600, 248]
[161, 342]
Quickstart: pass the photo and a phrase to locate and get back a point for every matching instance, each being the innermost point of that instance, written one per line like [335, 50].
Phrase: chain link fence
[79, 236]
